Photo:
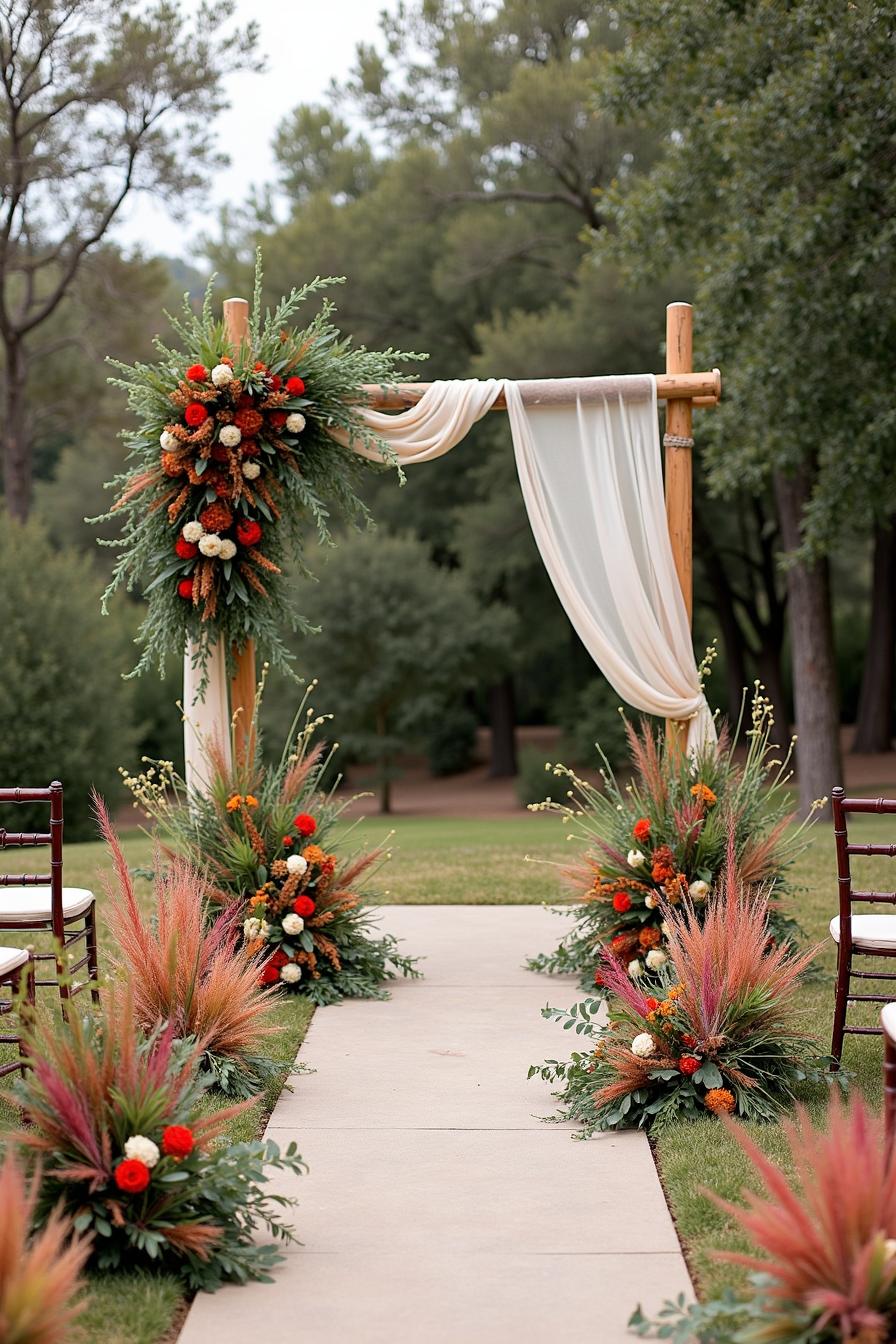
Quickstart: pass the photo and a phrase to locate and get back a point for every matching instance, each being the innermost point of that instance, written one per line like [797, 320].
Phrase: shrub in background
[535, 782]
[65, 712]
[591, 717]
[451, 743]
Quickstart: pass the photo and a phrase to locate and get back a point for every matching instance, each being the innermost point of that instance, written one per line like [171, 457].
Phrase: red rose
[278, 419]
[270, 974]
[177, 1141]
[622, 902]
[276, 382]
[248, 532]
[186, 549]
[288, 841]
[304, 906]
[195, 413]
[185, 588]
[688, 1065]
[197, 373]
[295, 386]
[132, 1176]
[642, 830]
[305, 824]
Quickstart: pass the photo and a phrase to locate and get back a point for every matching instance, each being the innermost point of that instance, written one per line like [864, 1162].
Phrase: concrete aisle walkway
[438, 1207]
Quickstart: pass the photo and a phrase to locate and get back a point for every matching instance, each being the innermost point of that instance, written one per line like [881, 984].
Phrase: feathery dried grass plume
[184, 970]
[828, 1234]
[40, 1273]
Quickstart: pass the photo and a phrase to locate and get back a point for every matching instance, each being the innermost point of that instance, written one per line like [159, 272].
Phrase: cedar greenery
[306, 477]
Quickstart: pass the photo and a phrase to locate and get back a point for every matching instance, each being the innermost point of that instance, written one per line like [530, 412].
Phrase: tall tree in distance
[96, 102]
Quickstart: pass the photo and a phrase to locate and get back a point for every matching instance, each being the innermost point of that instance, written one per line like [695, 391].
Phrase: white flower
[293, 924]
[643, 1045]
[698, 891]
[290, 974]
[264, 930]
[251, 928]
[656, 959]
[192, 531]
[635, 968]
[222, 374]
[890, 1247]
[664, 929]
[210, 544]
[636, 859]
[251, 470]
[168, 442]
[296, 864]
[140, 1149]
[651, 901]
[229, 435]
[295, 422]
[228, 549]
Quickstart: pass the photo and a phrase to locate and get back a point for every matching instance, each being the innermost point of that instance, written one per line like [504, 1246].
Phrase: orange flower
[234, 802]
[259, 898]
[704, 793]
[675, 992]
[719, 1100]
[250, 800]
[314, 854]
[649, 937]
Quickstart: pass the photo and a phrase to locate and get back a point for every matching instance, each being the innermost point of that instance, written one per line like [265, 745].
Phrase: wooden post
[679, 464]
[243, 681]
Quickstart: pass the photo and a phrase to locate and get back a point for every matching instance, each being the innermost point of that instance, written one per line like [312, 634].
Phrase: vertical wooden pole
[243, 681]
[679, 464]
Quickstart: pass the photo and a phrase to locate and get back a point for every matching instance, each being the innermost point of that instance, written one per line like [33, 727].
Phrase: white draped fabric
[206, 718]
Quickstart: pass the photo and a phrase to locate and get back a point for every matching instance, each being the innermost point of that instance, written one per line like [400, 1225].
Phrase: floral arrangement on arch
[232, 461]
[266, 835]
[662, 839]
[126, 1149]
[715, 1034]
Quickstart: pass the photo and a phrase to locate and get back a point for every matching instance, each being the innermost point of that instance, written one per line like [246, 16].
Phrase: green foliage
[452, 740]
[65, 712]
[593, 727]
[535, 781]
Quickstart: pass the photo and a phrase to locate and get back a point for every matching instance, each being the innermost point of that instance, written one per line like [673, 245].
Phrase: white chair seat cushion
[868, 930]
[27, 905]
[888, 1015]
[11, 958]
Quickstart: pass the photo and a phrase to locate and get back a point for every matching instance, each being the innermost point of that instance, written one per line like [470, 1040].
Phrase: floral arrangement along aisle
[824, 1266]
[266, 834]
[662, 839]
[128, 1151]
[232, 463]
[716, 1033]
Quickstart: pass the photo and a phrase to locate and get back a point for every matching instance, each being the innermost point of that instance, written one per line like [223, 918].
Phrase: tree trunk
[502, 717]
[819, 761]
[874, 719]
[716, 576]
[15, 439]
[385, 789]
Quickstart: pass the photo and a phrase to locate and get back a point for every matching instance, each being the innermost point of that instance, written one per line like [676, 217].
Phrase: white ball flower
[192, 531]
[290, 974]
[636, 859]
[295, 422]
[698, 891]
[296, 864]
[265, 929]
[656, 959]
[140, 1149]
[664, 928]
[168, 442]
[643, 1045]
[251, 470]
[635, 968]
[293, 924]
[228, 549]
[210, 544]
[222, 374]
[229, 436]
[651, 901]
[251, 928]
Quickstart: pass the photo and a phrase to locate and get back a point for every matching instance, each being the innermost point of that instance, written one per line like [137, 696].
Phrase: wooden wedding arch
[680, 387]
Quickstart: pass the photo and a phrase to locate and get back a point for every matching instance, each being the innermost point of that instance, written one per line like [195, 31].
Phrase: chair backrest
[31, 839]
[841, 807]
[888, 1022]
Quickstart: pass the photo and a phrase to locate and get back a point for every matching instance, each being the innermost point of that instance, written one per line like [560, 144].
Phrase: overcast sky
[307, 43]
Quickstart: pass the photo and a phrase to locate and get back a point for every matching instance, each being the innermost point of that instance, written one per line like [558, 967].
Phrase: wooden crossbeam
[701, 389]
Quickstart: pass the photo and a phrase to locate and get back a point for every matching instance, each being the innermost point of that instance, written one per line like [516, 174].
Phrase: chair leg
[92, 960]
[27, 1011]
[842, 990]
[62, 978]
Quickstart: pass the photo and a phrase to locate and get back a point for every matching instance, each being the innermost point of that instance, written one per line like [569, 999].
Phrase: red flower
[248, 421]
[186, 549]
[195, 413]
[245, 402]
[185, 588]
[270, 973]
[295, 386]
[622, 902]
[598, 978]
[279, 958]
[261, 368]
[689, 1041]
[276, 382]
[619, 943]
[249, 448]
[688, 1065]
[641, 829]
[248, 532]
[305, 824]
[278, 419]
[288, 841]
[197, 373]
[304, 906]
[652, 1005]
[132, 1176]
[177, 1141]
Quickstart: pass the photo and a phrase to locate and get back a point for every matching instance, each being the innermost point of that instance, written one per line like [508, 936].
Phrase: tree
[776, 182]
[96, 102]
[401, 641]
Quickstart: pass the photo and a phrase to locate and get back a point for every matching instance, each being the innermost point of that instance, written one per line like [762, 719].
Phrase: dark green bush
[593, 717]
[452, 741]
[534, 783]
